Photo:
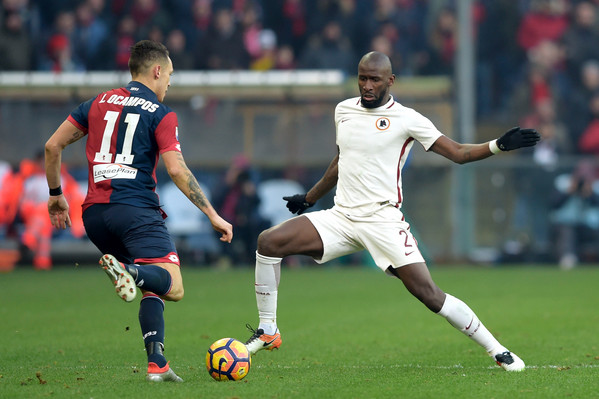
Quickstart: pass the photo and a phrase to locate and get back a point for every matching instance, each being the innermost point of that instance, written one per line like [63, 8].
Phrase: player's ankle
[268, 328]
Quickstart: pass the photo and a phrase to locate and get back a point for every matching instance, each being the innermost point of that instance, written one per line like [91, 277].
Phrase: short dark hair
[144, 53]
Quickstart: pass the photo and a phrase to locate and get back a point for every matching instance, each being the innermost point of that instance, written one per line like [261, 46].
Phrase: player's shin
[459, 315]
[151, 320]
[268, 271]
[151, 278]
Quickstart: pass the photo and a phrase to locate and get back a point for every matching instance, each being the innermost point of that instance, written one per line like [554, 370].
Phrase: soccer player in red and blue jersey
[127, 130]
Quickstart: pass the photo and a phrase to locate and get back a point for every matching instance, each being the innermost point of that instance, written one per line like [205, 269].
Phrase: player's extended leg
[157, 282]
[419, 282]
[163, 278]
[296, 236]
[151, 320]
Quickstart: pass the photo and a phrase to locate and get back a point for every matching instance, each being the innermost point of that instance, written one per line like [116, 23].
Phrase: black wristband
[56, 191]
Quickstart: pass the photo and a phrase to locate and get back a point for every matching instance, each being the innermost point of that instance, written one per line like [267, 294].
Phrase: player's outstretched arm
[186, 182]
[298, 203]
[58, 207]
[463, 153]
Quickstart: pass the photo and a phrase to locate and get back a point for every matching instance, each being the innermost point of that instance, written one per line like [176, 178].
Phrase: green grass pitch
[347, 333]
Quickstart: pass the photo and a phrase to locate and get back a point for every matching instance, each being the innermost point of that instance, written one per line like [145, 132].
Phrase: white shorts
[385, 235]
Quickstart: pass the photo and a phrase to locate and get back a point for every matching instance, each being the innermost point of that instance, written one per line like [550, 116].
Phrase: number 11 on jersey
[124, 157]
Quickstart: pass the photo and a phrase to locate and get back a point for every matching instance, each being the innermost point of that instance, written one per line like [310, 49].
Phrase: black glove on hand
[297, 203]
[518, 138]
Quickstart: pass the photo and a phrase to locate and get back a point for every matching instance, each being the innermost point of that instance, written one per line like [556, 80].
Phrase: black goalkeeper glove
[297, 203]
[517, 138]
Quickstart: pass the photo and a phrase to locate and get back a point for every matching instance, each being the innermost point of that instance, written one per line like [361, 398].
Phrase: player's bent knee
[175, 294]
[267, 243]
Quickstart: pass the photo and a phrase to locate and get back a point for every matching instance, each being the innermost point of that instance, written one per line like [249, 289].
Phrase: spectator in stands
[289, 19]
[546, 20]
[155, 33]
[348, 15]
[176, 44]
[252, 26]
[260, 43]
[285, 58]
[15, 44]
[180, 13]
[143, 11]
[581, 39]
[542, 79]
[383, 44]
[59, 55]
[404, 24]
[576, 217]
[577, 111]
[329, 50]
[99, 8]
[443, 43]
[383, 12]
[498, 56]
[222, 47]
[90, 38]
[198, 26]
[125, 39]
[152, 19]
[268, 51]
[237, 201]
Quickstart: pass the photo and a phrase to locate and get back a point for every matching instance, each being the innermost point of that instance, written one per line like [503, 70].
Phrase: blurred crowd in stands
[537, 61]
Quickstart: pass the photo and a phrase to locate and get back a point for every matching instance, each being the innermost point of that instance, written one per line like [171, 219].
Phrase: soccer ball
[228, 360]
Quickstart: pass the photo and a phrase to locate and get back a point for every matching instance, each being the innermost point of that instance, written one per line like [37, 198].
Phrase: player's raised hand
[517, 138]
[297, 203]
[58, 208]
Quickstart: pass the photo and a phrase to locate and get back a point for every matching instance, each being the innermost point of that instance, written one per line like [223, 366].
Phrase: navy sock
[151, 320]
[151, 278]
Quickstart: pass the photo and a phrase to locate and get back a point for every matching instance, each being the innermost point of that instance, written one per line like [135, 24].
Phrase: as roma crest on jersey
[383, 123]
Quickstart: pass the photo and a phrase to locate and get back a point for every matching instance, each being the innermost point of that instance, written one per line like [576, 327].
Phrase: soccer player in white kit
[374, 136]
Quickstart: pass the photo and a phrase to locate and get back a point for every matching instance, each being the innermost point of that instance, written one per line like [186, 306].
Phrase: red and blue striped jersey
[127, 129]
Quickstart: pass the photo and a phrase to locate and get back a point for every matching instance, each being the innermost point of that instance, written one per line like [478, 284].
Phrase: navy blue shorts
[131, 234]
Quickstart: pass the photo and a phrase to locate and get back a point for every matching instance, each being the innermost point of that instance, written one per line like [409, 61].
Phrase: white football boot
[259, 340]
[509, 361]
[120, 277]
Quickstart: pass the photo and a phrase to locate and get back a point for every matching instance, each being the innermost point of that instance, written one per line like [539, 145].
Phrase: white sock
[459, 315]
[268, 274]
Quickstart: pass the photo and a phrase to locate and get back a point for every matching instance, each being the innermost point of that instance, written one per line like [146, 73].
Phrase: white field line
[418, 366]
